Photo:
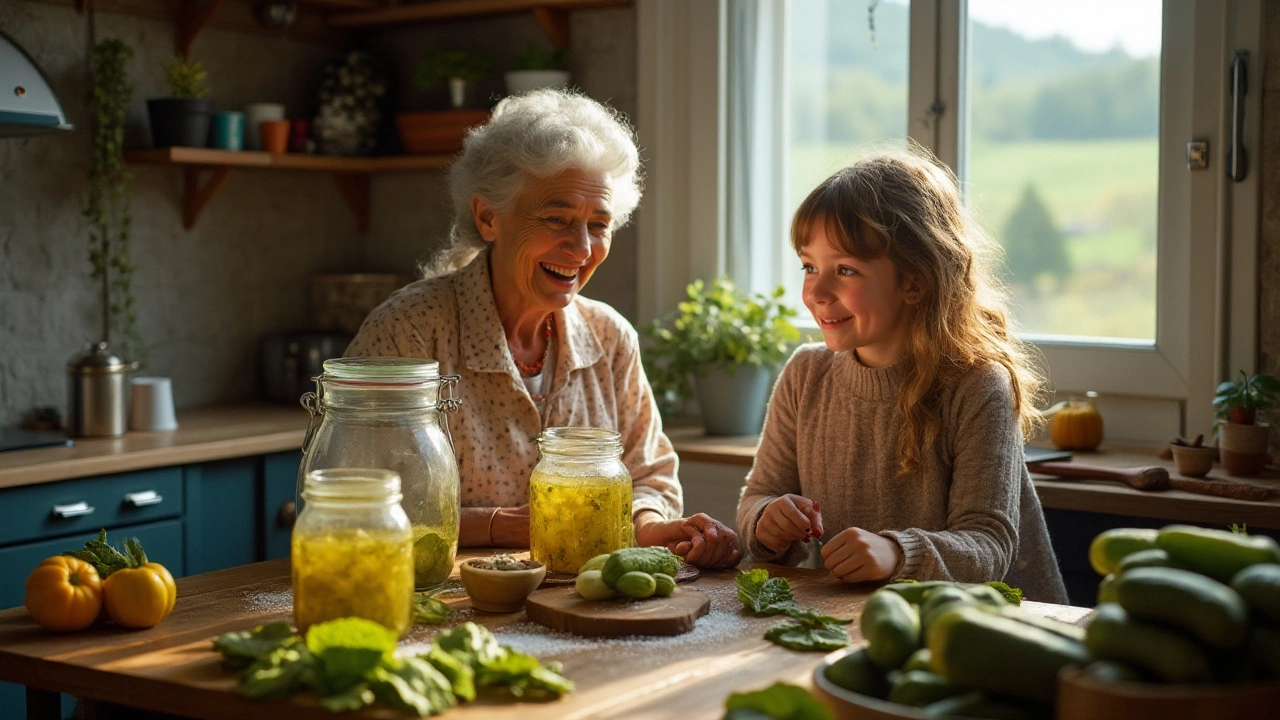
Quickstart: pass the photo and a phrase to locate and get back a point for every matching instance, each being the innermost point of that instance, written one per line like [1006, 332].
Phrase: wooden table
[171, 668]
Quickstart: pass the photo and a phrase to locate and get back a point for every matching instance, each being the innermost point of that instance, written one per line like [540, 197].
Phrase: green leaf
[347, 650]
[779, 702]
[805, 636]
[1012, 595]
[471, 643]
[414, 686]
[350, 699]
[459, 674]
[281, 673]
[239, 649]
[762, 594]
[104, 558]
[427, 609]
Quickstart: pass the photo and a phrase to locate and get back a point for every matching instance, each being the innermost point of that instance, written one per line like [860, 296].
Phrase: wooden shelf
[552, 15]
[206, 171]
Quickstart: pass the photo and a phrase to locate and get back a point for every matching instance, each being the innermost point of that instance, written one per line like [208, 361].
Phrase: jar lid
[97, 359]
[382, 369]
[352, 485]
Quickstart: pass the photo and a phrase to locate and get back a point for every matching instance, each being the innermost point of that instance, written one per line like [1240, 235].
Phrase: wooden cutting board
[561, 608]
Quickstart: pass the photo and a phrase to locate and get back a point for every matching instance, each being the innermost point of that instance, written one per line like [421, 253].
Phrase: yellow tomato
[167, 578]
[64, 594]
[137, 597]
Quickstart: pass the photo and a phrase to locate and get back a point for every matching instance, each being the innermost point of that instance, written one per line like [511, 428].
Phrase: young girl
[898, 442]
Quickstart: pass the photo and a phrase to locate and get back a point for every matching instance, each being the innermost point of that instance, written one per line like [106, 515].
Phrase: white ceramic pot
[522, 81]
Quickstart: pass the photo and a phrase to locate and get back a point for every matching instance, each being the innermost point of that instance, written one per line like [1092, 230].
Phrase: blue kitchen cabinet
[279, 486]
[222, 516]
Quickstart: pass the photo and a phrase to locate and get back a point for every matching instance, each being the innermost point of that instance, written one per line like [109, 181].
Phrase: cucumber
[980, 705]
[1165, 654]
[1107, 589]
[1220, 554]
[1206, 609]
[1111, 546]
[892, 629]
[591, 587]
[665, 584]
[919, 660]
[986, 651]
[595, 563]
[1154, 557]
[987, 595]
[918, 688]
[1112, 671]
[939, 599]
[1264, 652]
[637, 584]
[1259, 585]
[855, 672]
[915, 592]
[643, 559]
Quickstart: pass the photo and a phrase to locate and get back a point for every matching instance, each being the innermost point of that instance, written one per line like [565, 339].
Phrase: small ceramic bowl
[499, 591]
[1194, 461]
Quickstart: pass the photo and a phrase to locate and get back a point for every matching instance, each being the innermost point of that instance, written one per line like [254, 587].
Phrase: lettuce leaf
[780, 701]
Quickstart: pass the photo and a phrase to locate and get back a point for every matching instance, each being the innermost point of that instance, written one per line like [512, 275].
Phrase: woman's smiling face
[546, 249]
[860, 305]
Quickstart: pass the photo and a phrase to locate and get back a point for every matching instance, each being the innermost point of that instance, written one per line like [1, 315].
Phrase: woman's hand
[787, 520]
[700, 539]
[855, 556]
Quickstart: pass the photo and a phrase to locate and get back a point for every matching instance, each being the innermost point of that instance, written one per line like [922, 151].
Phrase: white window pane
[1061, 159]
[845, 92]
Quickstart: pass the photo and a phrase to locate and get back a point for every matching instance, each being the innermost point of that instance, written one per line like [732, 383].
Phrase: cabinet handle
[287, 514]
[72, 510]
[144, 498]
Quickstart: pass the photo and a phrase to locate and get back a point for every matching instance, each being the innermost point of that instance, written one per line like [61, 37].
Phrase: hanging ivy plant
[108, 204]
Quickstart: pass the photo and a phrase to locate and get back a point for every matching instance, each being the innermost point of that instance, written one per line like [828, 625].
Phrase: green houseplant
[183, 118]
[457, 68]
[536, 68]
[107, 207]
[1242, 440]
[725, 344]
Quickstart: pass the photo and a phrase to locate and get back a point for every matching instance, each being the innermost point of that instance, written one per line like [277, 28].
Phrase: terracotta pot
[1244, 448]
[437, 132]
[1194, 461]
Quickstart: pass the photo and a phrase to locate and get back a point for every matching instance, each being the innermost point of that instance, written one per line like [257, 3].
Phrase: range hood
[28, 105]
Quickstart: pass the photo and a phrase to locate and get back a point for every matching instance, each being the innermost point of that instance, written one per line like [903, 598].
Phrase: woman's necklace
[533, 369]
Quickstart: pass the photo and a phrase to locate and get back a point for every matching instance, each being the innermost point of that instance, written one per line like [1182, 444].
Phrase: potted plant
[443, 131]
[1242, 440]
[107, 207]
[182, 119]
[537, 69]
[726, 346]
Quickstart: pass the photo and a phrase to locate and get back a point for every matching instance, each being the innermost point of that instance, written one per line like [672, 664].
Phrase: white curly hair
[536, 135]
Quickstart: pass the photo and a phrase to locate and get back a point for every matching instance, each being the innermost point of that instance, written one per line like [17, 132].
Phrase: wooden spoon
[1154, 479]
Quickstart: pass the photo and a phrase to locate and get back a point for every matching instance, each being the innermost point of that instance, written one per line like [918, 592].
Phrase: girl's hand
[787, 520]
[700, 539]
[855, 556]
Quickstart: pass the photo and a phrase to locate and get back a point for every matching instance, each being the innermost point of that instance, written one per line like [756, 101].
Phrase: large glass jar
[389, 413]
[352, 552]
[579, 498]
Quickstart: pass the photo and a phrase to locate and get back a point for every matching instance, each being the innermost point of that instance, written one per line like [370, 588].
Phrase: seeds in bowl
[502, 561]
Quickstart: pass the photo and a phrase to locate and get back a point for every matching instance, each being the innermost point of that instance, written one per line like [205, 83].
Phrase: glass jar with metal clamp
[390, 413]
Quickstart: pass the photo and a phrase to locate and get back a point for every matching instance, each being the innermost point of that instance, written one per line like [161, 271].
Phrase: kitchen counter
[172, 668]
[203, 434]
[1094, 496]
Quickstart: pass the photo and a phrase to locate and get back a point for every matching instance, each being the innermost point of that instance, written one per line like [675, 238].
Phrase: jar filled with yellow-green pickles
[352, 550]
[388, 412]
[579, 498]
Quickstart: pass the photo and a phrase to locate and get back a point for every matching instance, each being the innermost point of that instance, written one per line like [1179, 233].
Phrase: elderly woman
[537, 194]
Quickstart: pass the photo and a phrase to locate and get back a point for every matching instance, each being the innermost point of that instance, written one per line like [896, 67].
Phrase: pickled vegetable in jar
[579, 498]
[352, 550]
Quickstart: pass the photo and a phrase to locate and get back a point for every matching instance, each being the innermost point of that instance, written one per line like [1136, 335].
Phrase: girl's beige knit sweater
[969, 513]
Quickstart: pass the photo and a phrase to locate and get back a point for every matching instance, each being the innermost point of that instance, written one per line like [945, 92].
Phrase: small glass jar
[390, 413]
[352, 550]
[579, 498]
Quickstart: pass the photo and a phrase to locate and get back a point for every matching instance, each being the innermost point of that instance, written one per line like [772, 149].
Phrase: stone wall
[207, 296]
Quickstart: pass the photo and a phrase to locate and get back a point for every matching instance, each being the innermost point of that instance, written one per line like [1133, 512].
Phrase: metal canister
[97, 393]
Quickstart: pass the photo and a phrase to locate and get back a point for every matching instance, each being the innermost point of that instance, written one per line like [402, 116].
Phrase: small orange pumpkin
[1076, 424]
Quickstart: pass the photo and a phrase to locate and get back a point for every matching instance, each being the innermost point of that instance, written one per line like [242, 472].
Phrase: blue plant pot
[733, 402]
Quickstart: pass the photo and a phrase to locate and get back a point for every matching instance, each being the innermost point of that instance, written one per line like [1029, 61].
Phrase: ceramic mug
[275, 136]
[228, 130]
[254, 116]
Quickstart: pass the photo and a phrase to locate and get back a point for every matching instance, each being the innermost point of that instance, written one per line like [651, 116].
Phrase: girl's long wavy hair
[905, 205]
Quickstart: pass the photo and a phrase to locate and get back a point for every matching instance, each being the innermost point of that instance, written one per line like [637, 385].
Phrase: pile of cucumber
[634, 572]
[958, 649]
[1178, 605]
[1185, 605]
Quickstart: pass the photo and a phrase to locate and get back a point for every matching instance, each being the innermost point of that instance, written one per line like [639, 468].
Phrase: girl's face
[860, 305]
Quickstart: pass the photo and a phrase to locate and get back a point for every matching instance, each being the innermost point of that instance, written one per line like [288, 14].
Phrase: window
[1181, 313]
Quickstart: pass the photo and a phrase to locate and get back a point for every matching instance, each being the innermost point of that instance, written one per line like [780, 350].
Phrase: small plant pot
[1194, 461]
[522, 81]
[499, 591]
[1244, 448]
[733, 403]
[182, 122]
